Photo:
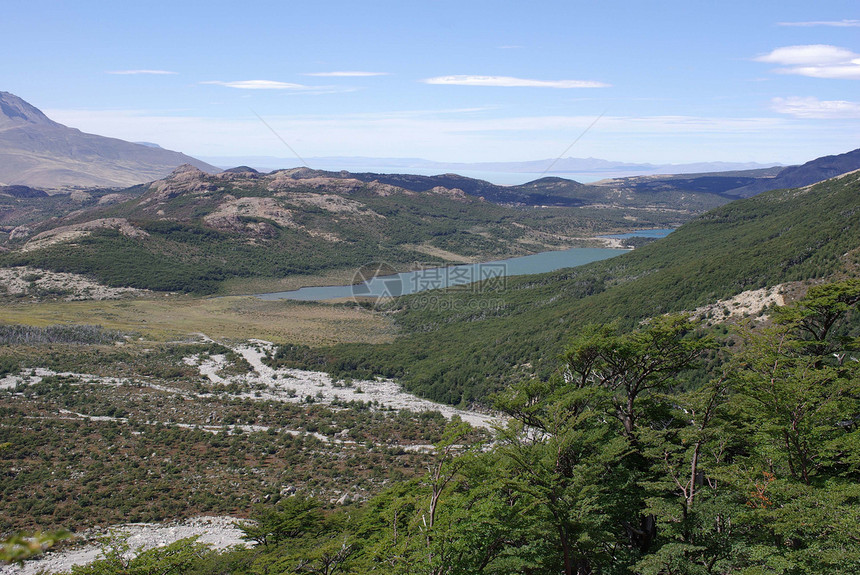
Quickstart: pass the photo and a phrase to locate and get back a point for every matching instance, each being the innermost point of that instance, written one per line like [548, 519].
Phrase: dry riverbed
[217, 532]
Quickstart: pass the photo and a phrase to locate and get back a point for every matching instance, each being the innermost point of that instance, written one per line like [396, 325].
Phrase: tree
[290, 518]
[633, 365]
[797, 395]
[567, 465]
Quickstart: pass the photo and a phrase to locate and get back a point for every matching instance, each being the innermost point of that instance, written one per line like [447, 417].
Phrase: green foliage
[8, 365]
[463, 351]
[291, 518]
[21, 546]
[622, 462]
[177, 558]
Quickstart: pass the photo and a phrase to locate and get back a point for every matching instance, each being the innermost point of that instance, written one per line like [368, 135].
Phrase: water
[495, 272]
[406, 283]
[661, 233]
[380, 285]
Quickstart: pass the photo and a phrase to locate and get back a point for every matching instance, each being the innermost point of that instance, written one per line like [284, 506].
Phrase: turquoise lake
[446, 277]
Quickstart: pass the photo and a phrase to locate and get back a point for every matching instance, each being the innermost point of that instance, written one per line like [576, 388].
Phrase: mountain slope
[464, 348]
[811, 172]
[36, 151]
[739, 184]
[191, 231]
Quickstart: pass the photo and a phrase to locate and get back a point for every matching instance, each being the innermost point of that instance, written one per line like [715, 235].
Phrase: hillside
[36, 151]
[470, 344]
[732, 185]
[193, 231]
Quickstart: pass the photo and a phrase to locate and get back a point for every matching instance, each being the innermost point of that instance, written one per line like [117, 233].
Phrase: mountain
[809, 173]
[690, 188]
[36, 151]
[587, 166]
[742, 183]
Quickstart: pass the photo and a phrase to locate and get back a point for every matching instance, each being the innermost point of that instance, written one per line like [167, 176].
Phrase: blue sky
[463, 81]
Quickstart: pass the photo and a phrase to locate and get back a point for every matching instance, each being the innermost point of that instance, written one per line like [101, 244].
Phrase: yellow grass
[166, 318]
[244, 286]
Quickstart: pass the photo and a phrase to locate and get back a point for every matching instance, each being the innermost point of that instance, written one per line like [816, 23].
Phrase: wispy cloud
[260, 85]
[451, 136]
[510, 82]
[347, 74]
[815, 108]
[136, 72]
[816, 61]
[288, 87]
[830, 23]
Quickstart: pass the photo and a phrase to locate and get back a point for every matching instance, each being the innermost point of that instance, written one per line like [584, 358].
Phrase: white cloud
[812, 54]
[815, 60]
[830, 23]
[815, 108]
[510, 82]
[347, 74]
[135, 72]
[260, 85]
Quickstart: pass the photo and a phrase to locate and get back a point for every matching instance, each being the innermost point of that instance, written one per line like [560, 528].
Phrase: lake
[379, 286]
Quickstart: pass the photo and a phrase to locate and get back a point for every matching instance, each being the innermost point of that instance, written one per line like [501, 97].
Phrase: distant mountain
[809, 173]
[36, 151]
[587, 166]
[741, 184]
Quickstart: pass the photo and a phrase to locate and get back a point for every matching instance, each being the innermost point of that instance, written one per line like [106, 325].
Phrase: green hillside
[465, 345]
[192, 231]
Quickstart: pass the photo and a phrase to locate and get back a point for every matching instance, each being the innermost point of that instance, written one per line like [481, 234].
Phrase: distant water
[451, 276]
[659, 233]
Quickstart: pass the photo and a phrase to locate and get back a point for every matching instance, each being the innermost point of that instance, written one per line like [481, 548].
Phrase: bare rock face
[75, 231]
[453, 193]
[186, 179]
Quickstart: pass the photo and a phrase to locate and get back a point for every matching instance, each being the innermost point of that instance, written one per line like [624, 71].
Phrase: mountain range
[38, 152]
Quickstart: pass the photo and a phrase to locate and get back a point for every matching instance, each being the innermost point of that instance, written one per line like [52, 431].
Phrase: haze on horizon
[449, 81]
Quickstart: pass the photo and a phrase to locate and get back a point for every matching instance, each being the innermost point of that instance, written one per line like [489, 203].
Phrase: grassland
[169, 318]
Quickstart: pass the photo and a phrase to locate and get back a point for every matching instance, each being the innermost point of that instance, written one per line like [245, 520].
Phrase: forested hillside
[459, 346]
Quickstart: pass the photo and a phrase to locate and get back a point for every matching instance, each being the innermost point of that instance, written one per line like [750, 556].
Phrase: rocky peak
[14, 110]
[184, 179]
[186, 172]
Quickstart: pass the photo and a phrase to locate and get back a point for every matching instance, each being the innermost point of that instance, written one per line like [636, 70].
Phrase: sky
[449, 81]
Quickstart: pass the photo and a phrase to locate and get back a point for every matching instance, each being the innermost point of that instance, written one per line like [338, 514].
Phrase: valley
[139, 384]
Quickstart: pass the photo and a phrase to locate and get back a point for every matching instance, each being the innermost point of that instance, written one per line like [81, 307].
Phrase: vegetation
[460, 346]
[81, 334]
[144, 438]
[305, 231]
[635, 441]
[622, 462]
